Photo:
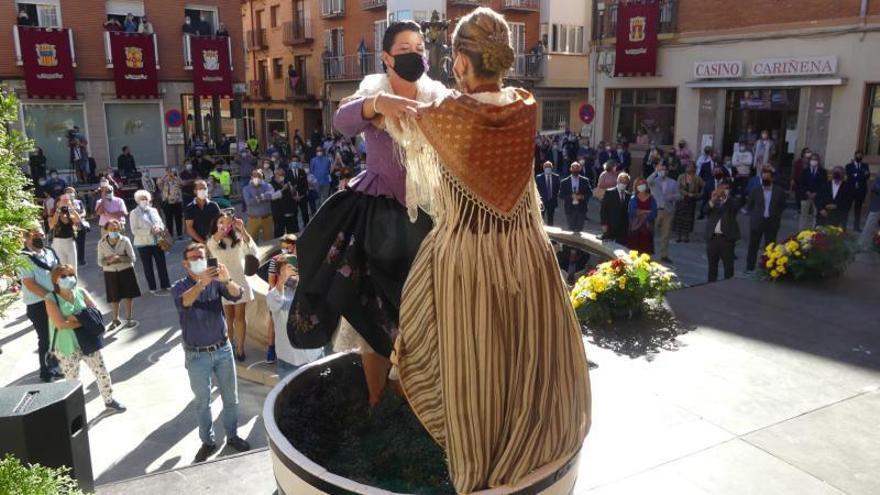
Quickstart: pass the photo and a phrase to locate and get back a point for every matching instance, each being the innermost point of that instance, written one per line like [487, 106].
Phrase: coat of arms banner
[212, 69]
[134, 65]
[48, 61]
[638, 22]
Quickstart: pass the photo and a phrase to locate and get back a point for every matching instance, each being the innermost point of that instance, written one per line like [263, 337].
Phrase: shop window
[555, 115]
[44, 13]
[644, 116]
[138, 126]
[48, 126]
[277, 68]
[872, 131]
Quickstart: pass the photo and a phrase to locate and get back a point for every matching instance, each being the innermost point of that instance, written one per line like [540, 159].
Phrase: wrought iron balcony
[349, 67]
[303, 90]
[470, 3]
[373, 4]
[256, 40]
[258, 89]
[521, 5]
[298, 32]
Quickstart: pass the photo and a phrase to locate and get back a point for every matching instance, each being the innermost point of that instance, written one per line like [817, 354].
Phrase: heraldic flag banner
[134, 65]
[637, 24]
[212, 69]
[48, 62]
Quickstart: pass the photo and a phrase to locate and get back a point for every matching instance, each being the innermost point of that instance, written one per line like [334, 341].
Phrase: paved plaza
[776, 389]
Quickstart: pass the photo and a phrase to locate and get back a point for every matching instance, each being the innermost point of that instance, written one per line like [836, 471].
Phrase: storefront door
[752, 111]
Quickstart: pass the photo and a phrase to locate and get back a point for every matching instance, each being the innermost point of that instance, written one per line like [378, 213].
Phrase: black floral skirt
[354, 257]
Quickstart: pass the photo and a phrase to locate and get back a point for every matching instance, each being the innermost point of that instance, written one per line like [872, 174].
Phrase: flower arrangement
[620, 286]
[823, 252]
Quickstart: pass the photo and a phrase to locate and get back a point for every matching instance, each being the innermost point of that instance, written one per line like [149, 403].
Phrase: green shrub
[18, 479]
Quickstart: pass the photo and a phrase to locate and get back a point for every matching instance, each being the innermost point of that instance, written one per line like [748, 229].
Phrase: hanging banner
[134, 65]
[47, 56]
[212, 69]
[638, 22]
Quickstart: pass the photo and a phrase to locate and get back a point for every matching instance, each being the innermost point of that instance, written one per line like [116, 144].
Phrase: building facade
[799, 70]
[341, 43]
[108, 105]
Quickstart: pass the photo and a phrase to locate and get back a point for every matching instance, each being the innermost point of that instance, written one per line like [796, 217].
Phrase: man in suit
[575, 192]
[857, 174]
[614, 215]
[812, 181]
[548, 188]
[665, 193]
[765, 205]
[834, 200]
[712, 183]
[722, 230]
[623, 156]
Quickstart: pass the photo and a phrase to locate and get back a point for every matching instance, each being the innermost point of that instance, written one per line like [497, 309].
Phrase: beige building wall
[675, 70]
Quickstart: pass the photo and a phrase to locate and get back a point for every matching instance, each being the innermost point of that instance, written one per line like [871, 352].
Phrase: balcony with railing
[258, 89]
[349, 67]
[332, 8]
[668, 17]
[16, 41]
[521, 5]
[470, 3]
[527, 66]
[256, 40]
[304, 89]
[373, 4]
[298, 32]
[108, 51]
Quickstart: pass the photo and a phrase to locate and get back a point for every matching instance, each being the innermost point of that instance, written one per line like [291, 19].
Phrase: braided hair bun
[484, 36]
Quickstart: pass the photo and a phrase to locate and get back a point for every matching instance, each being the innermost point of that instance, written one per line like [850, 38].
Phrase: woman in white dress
[230, 244]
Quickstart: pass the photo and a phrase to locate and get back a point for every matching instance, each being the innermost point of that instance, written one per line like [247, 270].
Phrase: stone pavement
[749, 403]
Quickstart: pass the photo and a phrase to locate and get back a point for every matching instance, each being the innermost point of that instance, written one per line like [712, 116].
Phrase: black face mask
[37, 243]
[409, 66]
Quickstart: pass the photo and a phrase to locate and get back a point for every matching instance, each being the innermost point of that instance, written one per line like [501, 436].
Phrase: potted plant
[621, 288]
[810, 254]
[34, 479]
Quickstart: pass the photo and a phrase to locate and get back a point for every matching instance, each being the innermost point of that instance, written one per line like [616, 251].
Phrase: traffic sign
[173, 118]
[587, 113]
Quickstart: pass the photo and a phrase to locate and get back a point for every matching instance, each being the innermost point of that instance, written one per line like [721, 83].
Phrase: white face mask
[547, 171]
[621, 187]
[661, 173]
[202, 193]
[198, 266]
[144, 203]
[642, 188]
[256, 182]
[188, 166]
[814, 163]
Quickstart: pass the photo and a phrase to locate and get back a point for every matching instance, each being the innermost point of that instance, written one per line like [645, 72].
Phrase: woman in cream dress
[490, 353]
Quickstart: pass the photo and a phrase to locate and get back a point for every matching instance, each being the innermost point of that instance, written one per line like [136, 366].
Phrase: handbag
[164, 240]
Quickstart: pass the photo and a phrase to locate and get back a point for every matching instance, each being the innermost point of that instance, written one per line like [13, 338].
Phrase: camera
[65, 209]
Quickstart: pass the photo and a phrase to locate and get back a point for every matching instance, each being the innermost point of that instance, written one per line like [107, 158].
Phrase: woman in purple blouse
[354, 256]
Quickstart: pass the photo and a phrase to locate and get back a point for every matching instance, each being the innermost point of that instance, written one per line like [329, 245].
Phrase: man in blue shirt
[320, 168]
[206, 346]
[257, 195]
[36, 284]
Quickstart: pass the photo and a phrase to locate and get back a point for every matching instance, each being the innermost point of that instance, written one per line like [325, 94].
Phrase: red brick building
[107, 118]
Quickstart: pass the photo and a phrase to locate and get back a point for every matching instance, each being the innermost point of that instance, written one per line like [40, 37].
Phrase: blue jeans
[200, 366]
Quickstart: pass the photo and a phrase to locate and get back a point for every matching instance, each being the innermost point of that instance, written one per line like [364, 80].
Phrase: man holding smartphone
[198, 298]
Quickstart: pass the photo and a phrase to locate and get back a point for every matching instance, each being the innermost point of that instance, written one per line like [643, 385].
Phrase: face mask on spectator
[109, 194]
[113, 235]
[256, 181]
[188, 166]
[198, 266]
[642, 188]
[202, 193]
[144, 203]
[67, 283]
[814, 163]
[621, 186]
[38, 243]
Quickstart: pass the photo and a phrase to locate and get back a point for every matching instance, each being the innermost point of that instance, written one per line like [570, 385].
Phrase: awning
[767, 83]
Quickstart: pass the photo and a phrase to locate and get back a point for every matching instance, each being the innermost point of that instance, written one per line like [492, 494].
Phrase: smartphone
[212, 262]
[292, 261]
